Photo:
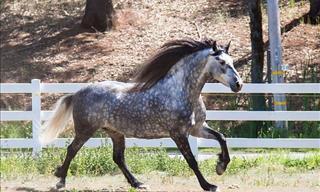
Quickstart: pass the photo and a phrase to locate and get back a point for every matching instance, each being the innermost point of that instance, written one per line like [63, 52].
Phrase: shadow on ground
[26, 40]
[30, 189]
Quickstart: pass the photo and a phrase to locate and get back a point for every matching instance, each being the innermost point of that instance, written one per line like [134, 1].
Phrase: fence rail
[221, 115]
[36, 116]
[166, 142]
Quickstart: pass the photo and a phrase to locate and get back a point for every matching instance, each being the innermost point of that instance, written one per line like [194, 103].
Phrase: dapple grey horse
[162, 101]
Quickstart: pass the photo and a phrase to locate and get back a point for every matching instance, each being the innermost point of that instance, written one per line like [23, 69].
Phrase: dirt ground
[247, 182]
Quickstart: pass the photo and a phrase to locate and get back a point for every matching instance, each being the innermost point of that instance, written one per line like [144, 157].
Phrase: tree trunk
[98, 14]
[258, 101]
[314, 13]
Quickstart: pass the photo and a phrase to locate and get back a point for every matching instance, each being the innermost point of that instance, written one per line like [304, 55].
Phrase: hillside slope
[43, 39]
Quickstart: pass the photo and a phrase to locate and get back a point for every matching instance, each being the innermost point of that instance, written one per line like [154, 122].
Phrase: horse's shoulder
[200, 109]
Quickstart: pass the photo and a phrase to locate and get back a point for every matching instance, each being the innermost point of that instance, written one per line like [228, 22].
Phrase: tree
[98, 14]
[257, 52]
[314, 13]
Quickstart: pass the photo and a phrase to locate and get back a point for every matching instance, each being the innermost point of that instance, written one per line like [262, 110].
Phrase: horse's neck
[189, 74]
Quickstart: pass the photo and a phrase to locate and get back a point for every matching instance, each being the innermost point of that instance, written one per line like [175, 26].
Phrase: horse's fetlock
[59, 172]
[223, 158]
[136, 184]
[227, 160]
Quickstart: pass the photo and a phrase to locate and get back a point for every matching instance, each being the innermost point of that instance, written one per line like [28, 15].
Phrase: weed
[132, 190]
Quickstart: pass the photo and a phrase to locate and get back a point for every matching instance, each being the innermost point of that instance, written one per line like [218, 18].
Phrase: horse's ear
[226, 48]
[214, 46]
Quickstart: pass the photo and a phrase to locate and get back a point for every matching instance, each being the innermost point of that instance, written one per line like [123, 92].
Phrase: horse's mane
[156, 67]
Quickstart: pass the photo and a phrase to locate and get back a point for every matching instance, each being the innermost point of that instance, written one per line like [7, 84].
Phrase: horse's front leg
[184, 147]
[206, 132]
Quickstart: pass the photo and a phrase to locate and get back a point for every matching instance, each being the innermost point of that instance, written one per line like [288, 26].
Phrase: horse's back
[105, 89]
[116, 85]
[93, 104]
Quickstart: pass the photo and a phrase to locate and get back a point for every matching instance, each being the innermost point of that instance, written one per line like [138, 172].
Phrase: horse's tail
[56, 124]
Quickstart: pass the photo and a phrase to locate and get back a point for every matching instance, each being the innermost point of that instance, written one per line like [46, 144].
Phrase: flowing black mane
[168, 55]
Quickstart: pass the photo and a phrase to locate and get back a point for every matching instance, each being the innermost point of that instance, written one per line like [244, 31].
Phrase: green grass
[16, 129]
[98, 161]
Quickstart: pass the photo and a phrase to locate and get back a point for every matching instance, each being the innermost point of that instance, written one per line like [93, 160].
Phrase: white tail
[56, 124]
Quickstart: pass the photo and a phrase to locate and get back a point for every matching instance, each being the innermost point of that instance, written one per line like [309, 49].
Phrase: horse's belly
[142, 130]
[148, 136]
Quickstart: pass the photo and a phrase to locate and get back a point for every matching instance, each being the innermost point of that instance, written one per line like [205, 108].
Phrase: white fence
[36, 115]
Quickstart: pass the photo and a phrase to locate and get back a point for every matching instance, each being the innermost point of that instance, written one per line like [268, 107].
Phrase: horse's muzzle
[236, 87]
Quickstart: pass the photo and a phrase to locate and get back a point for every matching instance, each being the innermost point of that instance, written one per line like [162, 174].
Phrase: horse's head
[220, 66]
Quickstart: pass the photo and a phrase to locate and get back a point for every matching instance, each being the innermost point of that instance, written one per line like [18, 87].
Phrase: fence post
[193, 141]
[36, 111]
[277, 73]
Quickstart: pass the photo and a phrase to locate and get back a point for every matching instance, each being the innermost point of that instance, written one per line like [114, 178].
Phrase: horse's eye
[222, 62]
[216, 53]
[217, 58]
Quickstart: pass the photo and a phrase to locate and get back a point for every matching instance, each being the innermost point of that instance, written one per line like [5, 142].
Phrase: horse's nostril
[238, 85]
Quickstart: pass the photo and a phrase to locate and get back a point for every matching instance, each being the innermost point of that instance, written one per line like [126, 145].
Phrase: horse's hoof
[60, 184]
[139, 185]
[220, 168]
[143, 187]
[214, 189]
[210, 187]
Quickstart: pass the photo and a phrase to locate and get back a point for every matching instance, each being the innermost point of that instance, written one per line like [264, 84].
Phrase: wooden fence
[36, 88]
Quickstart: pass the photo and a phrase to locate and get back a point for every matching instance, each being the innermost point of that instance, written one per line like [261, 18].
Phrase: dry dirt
[244, 182]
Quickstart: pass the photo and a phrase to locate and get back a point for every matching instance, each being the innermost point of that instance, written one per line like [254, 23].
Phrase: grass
[98, 161]
[15, 129]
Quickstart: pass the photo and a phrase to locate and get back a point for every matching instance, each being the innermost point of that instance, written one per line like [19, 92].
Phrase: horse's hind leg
[208, 133]
[184, 147]
[118, 157]
[80, 138]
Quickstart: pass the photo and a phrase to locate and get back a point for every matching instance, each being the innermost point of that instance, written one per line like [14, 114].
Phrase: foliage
[307, 129]
[16, 130]
[98, 161]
